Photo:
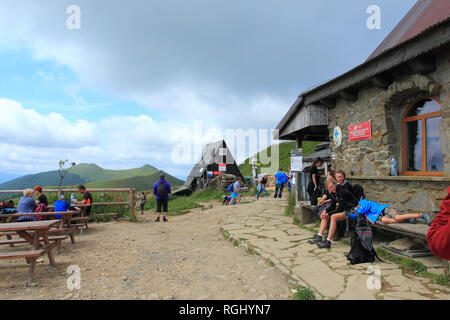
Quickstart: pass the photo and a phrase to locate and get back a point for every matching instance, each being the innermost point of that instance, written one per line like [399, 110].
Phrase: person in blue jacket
[162, 190]
[387, 213]
[281, 179]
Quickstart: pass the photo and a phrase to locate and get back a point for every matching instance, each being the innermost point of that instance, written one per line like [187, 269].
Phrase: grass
[303, 293]
[411, 266]
[284, 156]
[182, 204]
[289, 211]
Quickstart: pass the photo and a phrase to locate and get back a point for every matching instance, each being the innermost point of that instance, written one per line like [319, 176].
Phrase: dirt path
[186, 258]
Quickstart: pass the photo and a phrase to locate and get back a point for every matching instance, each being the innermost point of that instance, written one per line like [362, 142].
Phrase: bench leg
[49, 250]
[32, 262]
[10, 238]
[72, 238]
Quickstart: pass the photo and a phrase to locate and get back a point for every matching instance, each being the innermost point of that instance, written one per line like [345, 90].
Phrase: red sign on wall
[360, 131]
[217, 173]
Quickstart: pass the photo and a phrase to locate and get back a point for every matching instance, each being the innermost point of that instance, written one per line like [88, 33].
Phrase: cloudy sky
[139, 75]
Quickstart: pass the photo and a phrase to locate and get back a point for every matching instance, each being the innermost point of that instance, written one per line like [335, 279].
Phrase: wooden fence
[131, 203]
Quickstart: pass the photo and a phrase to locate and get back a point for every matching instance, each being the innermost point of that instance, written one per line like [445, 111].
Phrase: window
[422, 153]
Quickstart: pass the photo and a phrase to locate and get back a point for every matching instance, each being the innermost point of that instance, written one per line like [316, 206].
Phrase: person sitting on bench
[26, 205]
[438, 236]
[387, 213]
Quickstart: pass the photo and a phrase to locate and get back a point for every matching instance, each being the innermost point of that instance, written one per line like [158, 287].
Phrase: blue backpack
[231, 187]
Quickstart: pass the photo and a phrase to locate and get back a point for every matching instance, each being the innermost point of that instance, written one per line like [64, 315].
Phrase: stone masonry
[369, 160]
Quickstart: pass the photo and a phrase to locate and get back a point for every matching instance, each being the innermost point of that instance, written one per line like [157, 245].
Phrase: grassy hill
[80, 174]
[92, 176]
[284, 156]
[94, 173]
[141, 183]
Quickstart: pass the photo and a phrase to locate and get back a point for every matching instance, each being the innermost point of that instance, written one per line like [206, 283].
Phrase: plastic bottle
[393, 167]
[62, 196]
[72, 198]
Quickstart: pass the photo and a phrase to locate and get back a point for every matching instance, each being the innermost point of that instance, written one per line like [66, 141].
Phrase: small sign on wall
[360, 131]
[223, 167]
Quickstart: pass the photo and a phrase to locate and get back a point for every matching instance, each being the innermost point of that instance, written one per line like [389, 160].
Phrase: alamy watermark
[374, 20]
[241, 143]
[73, 22]
[374, 281]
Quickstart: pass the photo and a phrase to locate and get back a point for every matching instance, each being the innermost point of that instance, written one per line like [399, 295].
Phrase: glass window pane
[414, 146]
[435, 160]
[423, 107]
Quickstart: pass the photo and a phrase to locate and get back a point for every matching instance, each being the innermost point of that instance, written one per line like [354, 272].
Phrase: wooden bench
[304, 213]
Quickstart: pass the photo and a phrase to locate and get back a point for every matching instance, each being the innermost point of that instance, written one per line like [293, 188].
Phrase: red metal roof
[424, 14]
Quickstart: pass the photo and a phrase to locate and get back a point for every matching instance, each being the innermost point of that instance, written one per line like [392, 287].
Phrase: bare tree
[62, 173]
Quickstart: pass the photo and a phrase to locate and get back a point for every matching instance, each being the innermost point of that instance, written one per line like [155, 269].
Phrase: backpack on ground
[161, 189]
[319, 192]
[361, 248]
[231, 187]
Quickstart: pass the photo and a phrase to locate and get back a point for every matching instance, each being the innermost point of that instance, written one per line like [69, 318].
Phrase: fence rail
[130, 203]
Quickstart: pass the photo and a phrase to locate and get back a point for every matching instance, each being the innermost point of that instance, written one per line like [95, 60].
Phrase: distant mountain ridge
[87, 174]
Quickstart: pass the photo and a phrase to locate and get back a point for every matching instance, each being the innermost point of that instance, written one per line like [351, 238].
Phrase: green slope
[141, 183]
[80, 174]
[94, 173]
[284, 156]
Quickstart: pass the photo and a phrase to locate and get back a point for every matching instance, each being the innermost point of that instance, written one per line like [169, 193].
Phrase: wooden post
[132, 205]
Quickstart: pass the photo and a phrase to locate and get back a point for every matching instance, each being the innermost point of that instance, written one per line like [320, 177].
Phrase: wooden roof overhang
[415, 54]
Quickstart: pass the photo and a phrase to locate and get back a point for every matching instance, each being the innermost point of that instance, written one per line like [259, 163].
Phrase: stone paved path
[264, 228]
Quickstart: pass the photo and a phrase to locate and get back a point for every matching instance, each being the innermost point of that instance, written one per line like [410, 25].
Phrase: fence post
[132, 204]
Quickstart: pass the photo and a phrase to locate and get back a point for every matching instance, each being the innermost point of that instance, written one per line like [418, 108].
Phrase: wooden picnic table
[80, 217]
[31, 232]
[64, 226]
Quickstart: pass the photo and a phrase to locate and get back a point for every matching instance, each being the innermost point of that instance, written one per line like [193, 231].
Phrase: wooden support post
[132, 205]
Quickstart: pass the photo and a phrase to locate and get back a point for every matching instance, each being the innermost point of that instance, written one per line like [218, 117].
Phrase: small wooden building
[216, 160]
[396, 103]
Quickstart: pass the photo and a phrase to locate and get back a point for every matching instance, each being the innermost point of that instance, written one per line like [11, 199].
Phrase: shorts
[162, 204]
[389, 212]
[234, 195]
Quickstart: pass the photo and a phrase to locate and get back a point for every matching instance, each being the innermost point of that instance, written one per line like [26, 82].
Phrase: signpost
[360, 131]
[296, 161]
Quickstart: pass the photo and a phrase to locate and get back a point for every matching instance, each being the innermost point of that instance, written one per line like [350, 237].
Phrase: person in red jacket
[438, 236]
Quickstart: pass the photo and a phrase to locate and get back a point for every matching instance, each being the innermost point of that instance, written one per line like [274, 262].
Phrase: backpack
[358, 192]
[231, 188]
[161, 189]
[361, 248]
[319, 192]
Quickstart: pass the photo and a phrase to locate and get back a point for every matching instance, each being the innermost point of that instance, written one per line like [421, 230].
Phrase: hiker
[289, 182]
[236, 192]
[331, 173]
[143, 201]
[162, 190]
[26, 205]
[341, 203]
[281, 180]
[341, 181]
[42, 198]
[313, 189]
[262, 187]
[87, 198]
[324, 202]
[226, 200]
[61, 206]
[387, 213]
[438, 236]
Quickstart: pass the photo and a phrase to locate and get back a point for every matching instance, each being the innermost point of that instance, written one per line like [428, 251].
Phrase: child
[226, 200]
[387, 213]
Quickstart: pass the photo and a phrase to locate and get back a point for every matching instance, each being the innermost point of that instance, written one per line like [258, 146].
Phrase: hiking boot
[325, 244]
[426, 218]
[157, 220]
[165, 219]
[315, 240]
[337, 237]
